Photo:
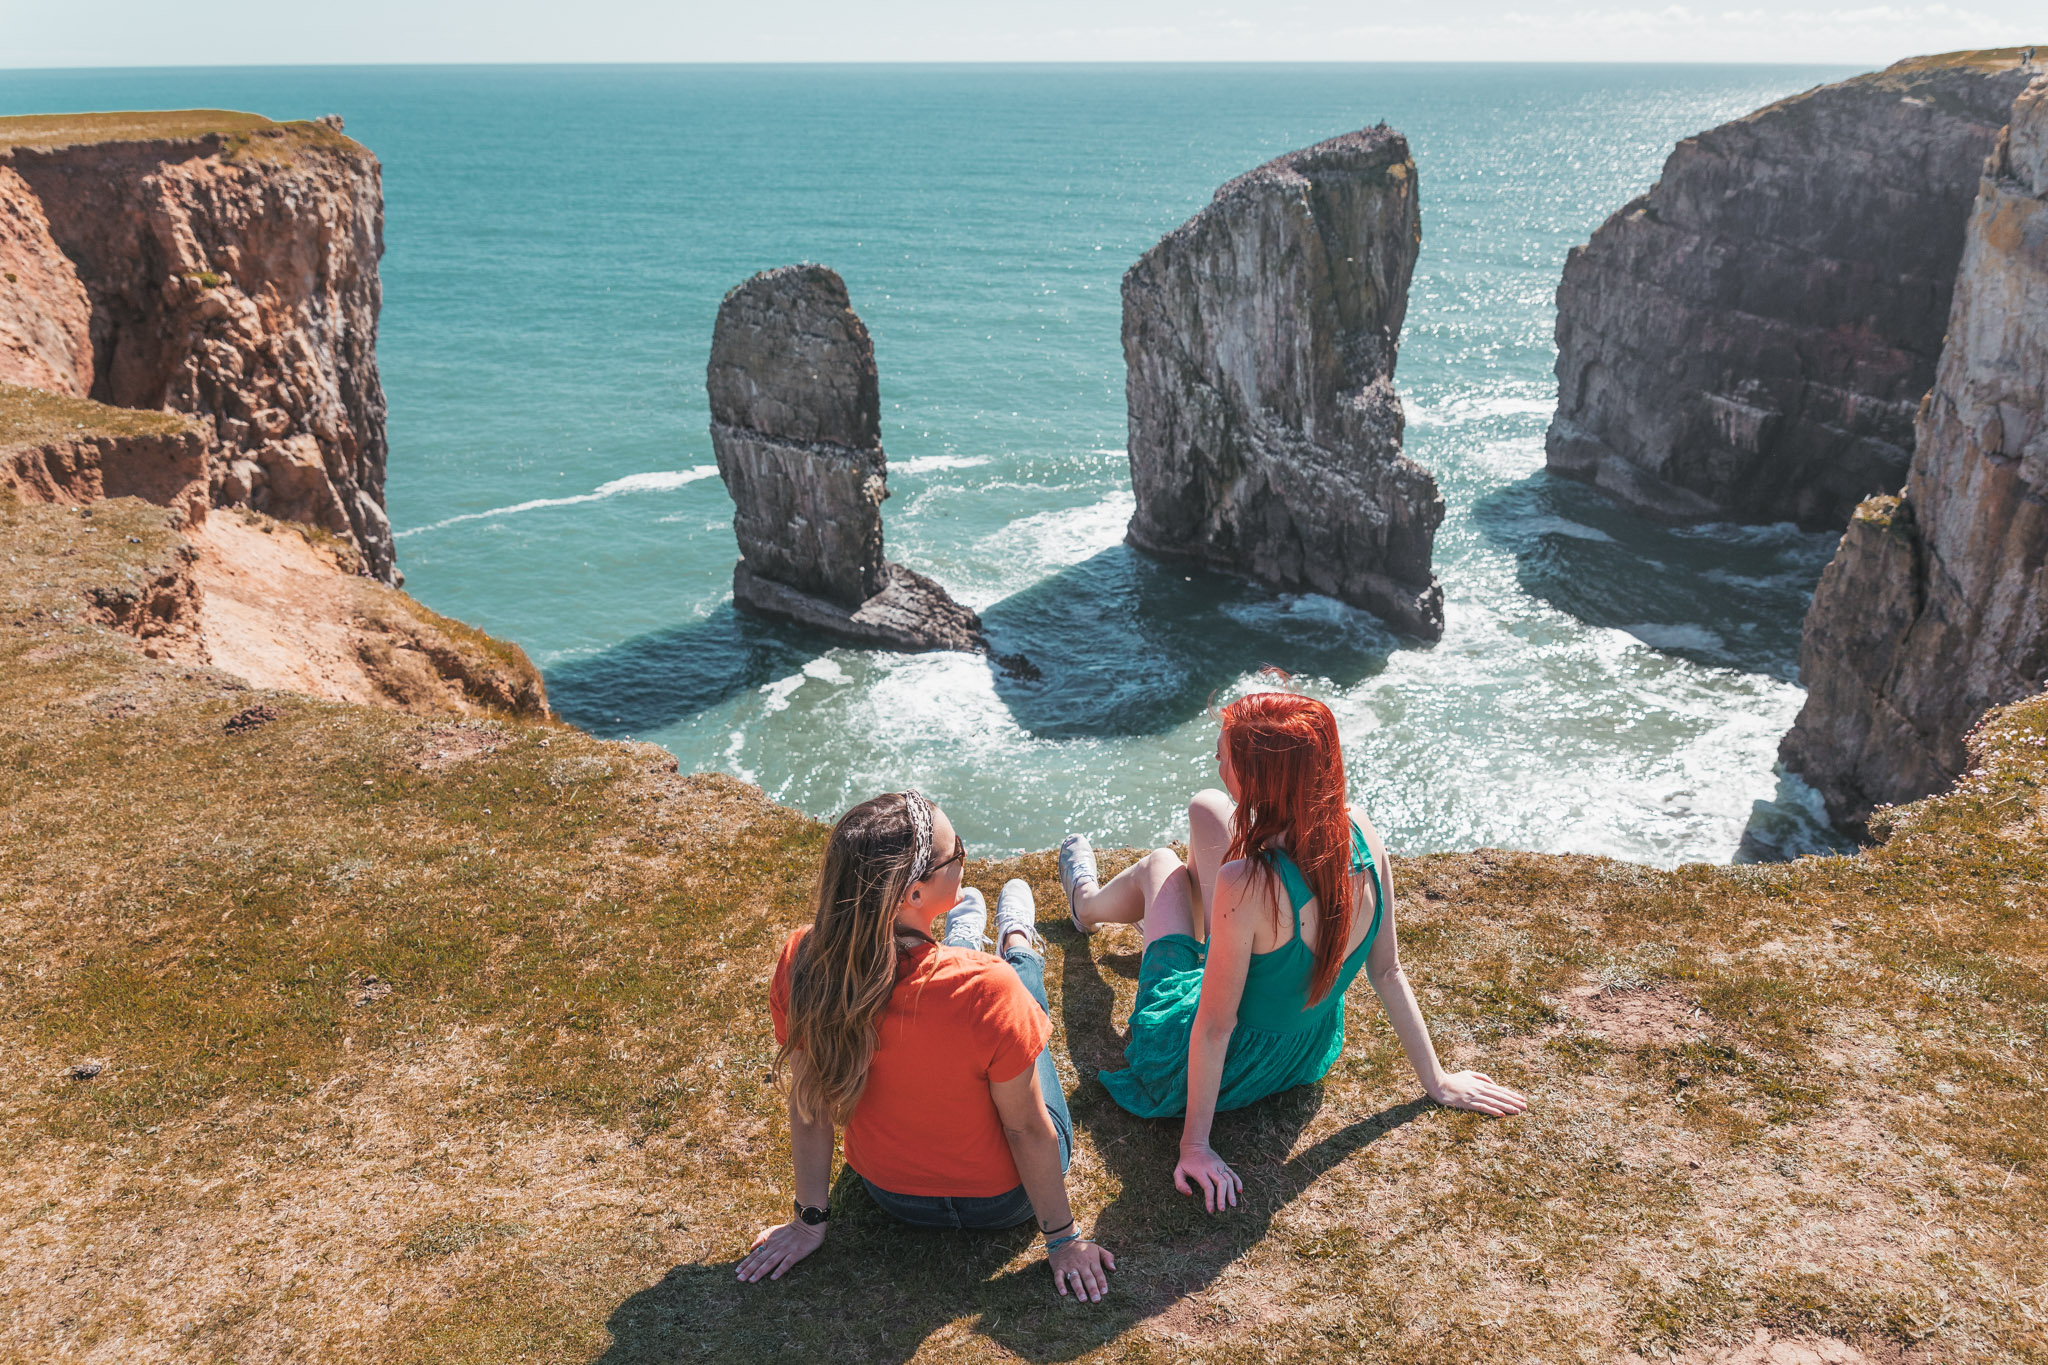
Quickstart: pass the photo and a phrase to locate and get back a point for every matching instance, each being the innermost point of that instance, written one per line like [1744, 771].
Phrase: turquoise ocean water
[557, 244]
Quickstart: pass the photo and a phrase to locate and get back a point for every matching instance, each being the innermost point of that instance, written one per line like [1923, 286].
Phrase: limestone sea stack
[1751, 339]
[796, 422]
[214, 264]
[1259, 345]
[1935, 607]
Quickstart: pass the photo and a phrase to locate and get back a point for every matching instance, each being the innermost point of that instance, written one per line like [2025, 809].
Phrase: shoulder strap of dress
[1361, 861]
[1298, 893]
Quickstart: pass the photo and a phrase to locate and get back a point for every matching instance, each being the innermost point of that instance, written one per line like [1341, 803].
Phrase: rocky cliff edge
[1751, 338]
[1935, 608]
[215, 264]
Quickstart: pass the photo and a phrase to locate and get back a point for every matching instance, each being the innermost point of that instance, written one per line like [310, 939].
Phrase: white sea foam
[1478, 408]
[656, 481]
[933, 464]
[825, 670]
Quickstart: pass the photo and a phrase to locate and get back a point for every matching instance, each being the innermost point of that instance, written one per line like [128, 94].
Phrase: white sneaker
[967, 922]
[1017, 913]
[1077, 865]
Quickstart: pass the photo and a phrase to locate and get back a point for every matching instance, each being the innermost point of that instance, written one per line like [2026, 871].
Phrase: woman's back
[1277, 979]
[956, 1020]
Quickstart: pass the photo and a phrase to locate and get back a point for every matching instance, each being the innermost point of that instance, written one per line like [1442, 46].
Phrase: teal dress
[1280, 1040]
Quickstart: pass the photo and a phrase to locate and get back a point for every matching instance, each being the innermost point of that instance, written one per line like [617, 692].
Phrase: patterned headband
[920, 807]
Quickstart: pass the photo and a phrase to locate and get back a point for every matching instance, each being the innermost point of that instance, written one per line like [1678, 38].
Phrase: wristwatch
[809, 1216]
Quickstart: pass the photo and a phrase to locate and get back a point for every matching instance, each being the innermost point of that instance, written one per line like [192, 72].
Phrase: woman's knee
[1212, 806]
[1160, 864]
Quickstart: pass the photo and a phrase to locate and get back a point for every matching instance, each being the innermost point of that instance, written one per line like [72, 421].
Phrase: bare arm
[1230, 952]
[778, 1248]
[1035, 1146]
[1459, 1090]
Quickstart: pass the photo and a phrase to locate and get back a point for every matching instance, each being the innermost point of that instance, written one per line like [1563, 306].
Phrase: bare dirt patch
[1656, 1015]
[441, 747]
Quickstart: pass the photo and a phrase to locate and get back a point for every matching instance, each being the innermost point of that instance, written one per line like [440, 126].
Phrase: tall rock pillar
[1259, 340]
[796, 425]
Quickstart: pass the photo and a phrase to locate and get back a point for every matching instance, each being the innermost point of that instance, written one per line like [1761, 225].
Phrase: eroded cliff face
[1936, 606]
[1751, 339]
[228, 267]
[1259, 340]
[796, 425]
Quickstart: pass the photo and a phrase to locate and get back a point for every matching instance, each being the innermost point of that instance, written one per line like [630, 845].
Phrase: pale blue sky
[217, 32]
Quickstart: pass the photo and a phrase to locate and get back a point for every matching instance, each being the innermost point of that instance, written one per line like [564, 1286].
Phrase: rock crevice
[1259, 339]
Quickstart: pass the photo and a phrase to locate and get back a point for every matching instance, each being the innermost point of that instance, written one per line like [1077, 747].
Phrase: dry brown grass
[1798, 1099]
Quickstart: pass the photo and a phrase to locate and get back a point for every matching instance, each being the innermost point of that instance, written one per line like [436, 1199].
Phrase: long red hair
[1290, 777]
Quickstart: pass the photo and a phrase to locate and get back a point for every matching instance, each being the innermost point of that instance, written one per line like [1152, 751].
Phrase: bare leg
[1208, 841]
[1154, 890]
[1169, 897]
[1120, 900]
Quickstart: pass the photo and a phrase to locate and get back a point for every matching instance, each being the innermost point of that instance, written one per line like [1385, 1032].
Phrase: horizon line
[981, 62]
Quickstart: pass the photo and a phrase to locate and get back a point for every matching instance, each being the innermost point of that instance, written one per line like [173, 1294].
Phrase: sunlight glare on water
[558, 241]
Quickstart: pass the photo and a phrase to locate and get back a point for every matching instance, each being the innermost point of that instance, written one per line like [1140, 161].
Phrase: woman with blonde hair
[1250, 948]
[932, 1056]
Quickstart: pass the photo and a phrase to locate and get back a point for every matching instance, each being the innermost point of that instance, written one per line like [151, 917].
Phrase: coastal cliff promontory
[215, 264]
[1935, 608]
[796, 423]
[1751, 338]
[1259, 340]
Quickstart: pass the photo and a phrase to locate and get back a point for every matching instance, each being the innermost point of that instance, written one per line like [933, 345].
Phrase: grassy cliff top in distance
[236, 130]
[1981, 59]
[33, 416]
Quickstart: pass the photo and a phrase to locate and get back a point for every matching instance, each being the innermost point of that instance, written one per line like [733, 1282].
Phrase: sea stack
[215, 264]
[1751, 339]
[1935, 607]
[796, 422]
[1259, 344]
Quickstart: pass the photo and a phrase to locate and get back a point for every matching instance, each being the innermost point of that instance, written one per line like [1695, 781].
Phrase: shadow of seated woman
[875, 1292]
[1167, 1246]
[879, 1290]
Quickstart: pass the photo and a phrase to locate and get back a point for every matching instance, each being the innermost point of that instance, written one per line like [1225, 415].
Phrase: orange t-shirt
[926, 1123]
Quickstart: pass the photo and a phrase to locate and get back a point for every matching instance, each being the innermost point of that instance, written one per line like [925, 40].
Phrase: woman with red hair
[1250, 946]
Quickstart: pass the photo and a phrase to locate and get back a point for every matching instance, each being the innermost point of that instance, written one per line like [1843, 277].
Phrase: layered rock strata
[1751, 339]
[1935, 607]
[1259, 344]
[213, 264]
[66, 450]
[796, 425]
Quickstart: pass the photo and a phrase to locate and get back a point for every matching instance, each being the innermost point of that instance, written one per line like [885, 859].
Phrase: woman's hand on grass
[1200, 1166]
[1083, 1267]
[1480, 1093]
[778, 1248]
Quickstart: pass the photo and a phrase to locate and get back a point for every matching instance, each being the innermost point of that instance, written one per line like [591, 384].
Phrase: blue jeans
[994, 1210]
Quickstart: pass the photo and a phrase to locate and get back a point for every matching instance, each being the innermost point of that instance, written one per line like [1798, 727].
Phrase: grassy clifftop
[34, 416]
[238, 133]
[424, 1040]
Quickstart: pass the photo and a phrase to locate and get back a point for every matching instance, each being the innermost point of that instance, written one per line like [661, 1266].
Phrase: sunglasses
[959, 854]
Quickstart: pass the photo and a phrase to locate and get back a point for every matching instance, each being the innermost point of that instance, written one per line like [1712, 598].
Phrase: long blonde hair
[844, 971]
